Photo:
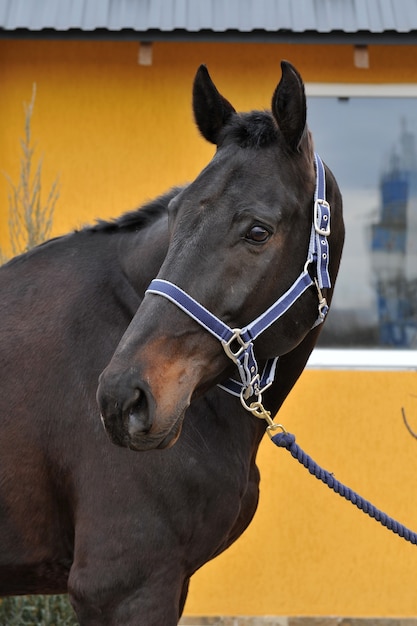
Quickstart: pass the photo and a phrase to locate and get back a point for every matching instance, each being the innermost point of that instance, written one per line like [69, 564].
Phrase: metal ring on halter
[323, 306]
[227, 345]
[247, 406]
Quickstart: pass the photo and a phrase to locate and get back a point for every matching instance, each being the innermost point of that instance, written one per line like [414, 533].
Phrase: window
[368, 137]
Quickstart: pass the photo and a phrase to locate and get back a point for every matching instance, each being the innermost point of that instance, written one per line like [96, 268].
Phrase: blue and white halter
[238, 342]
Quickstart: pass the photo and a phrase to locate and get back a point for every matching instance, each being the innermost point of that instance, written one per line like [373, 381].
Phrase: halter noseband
[238, 342]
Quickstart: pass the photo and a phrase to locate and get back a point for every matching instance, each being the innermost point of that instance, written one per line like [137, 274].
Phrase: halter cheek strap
[238, 342]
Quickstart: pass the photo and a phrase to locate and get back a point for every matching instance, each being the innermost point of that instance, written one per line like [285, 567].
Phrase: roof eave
[227, 36]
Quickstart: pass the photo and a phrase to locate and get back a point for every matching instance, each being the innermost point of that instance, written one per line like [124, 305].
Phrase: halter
[238, 342]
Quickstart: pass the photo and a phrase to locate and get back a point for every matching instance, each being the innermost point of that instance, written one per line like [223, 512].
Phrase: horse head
[239, 237]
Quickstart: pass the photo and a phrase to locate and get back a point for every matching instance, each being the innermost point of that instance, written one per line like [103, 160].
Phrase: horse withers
[147, 302]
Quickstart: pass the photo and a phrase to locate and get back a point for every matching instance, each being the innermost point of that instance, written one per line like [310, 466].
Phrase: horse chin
[170, 439]
[141, 443]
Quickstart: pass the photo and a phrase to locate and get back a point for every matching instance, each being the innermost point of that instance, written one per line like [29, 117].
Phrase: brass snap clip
[258, 409]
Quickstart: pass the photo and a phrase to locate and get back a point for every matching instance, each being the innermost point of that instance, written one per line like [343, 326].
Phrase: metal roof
[263, 20]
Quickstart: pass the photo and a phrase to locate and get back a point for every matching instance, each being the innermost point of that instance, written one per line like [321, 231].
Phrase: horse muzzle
[139, 417]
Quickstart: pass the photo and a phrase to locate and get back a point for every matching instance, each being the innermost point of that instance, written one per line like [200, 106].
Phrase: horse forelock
[256, 129]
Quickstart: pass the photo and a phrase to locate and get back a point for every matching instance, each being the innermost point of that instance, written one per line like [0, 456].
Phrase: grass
[37, 611]
[30, 214]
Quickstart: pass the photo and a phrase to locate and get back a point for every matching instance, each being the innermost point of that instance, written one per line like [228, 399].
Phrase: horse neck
[141, 253]
[289, 368]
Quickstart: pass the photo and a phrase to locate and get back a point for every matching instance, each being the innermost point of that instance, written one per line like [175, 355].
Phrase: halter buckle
[320, 217]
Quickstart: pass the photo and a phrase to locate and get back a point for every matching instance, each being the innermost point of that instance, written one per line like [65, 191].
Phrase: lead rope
[287, 440]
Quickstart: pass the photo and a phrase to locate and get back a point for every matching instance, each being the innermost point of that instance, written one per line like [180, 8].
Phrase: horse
[144, 324]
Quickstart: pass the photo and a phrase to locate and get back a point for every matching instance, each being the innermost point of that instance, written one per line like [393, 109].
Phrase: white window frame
[358, 358]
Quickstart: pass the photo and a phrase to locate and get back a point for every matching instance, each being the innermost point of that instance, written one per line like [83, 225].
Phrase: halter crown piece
[238, 342]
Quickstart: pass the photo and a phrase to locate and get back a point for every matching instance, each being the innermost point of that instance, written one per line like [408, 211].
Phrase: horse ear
[211, 110]
[289, 106]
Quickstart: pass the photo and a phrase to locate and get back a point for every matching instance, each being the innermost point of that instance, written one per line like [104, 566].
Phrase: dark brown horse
[123, 531]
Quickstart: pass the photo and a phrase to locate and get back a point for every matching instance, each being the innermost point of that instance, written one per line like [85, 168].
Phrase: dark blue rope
[287, 440]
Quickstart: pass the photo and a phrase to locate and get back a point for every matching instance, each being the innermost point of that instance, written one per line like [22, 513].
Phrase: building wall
[118, 133]
[308, 551]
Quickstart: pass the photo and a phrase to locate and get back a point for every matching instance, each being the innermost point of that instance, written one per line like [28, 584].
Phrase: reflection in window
[370, 145]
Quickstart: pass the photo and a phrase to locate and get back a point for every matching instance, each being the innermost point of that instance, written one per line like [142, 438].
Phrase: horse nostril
[138, 420]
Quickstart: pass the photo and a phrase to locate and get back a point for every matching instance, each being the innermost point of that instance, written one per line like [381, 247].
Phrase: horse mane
[138, 218]
[132, 220]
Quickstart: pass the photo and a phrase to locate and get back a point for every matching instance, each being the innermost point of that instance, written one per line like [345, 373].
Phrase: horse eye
[258, 234]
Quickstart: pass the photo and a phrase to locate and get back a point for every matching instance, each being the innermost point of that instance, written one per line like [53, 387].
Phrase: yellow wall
[308, 551]
[119, 133]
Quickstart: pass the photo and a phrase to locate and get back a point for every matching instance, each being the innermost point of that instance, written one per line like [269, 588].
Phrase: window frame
[393, 359]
